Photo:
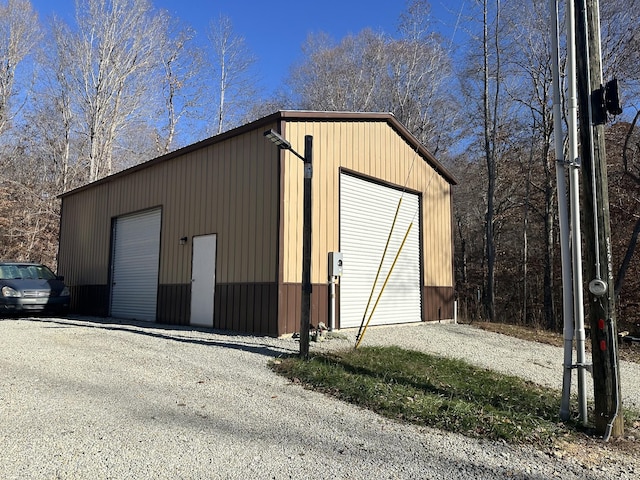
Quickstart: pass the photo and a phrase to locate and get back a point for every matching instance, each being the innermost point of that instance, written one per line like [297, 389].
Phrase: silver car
[30, 288]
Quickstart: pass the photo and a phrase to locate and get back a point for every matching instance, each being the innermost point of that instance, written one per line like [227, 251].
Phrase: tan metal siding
[85, 236]
[229, 188]
[374, 149]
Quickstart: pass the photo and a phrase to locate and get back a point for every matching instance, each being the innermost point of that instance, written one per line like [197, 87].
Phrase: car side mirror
[60, 277]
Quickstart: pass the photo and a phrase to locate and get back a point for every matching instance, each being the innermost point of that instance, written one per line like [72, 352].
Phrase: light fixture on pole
[277, 139]
[305, 316]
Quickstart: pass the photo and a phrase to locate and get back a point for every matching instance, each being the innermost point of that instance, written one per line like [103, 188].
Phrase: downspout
[563, 216]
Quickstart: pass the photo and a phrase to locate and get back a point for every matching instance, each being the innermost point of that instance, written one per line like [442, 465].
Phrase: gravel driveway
[98, 399]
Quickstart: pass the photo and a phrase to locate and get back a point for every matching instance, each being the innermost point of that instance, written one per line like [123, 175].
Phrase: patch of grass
[437, 392]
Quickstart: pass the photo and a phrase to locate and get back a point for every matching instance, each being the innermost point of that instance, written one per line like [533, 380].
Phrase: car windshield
[25, 272]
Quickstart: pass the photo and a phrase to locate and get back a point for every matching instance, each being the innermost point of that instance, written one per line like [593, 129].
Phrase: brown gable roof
[284, 115]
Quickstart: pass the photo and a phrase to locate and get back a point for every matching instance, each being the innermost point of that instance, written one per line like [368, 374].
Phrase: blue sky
[275, 30]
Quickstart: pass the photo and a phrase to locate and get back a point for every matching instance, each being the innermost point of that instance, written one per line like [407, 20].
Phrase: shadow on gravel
[171, 332]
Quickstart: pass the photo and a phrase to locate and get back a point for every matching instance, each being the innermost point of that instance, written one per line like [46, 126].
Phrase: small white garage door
[136, 253]
[367, 211]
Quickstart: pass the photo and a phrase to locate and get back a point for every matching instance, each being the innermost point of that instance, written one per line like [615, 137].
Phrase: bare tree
[30, 215]
[108, 58]
[621, 59]
[23, 204]
[631, 175]
[49, 126]
[421, 74]
[97, 106]
[621, 45]
[528, 61]
[19, 35]
[490, 101]
[469, 216]
[235, 80]
[341, 77]
[409, 76]
[182, 67]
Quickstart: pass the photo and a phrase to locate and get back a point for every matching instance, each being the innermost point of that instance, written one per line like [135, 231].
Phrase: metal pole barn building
[210, 235]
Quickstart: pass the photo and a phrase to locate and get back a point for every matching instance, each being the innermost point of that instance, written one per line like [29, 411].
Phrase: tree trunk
[631, 246]
[525, 241]
[490, 133]
[549, 260]
[627, 258]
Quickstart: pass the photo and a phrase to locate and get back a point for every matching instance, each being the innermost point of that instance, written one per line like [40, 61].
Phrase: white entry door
[203, 280]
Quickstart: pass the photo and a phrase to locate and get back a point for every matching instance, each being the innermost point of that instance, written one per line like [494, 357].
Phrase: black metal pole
[305, 317]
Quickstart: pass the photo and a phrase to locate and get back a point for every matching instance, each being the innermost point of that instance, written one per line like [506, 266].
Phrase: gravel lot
[99, 399]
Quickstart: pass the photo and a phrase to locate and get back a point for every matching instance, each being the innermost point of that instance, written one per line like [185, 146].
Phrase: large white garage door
[136, 252]
[367, 211]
